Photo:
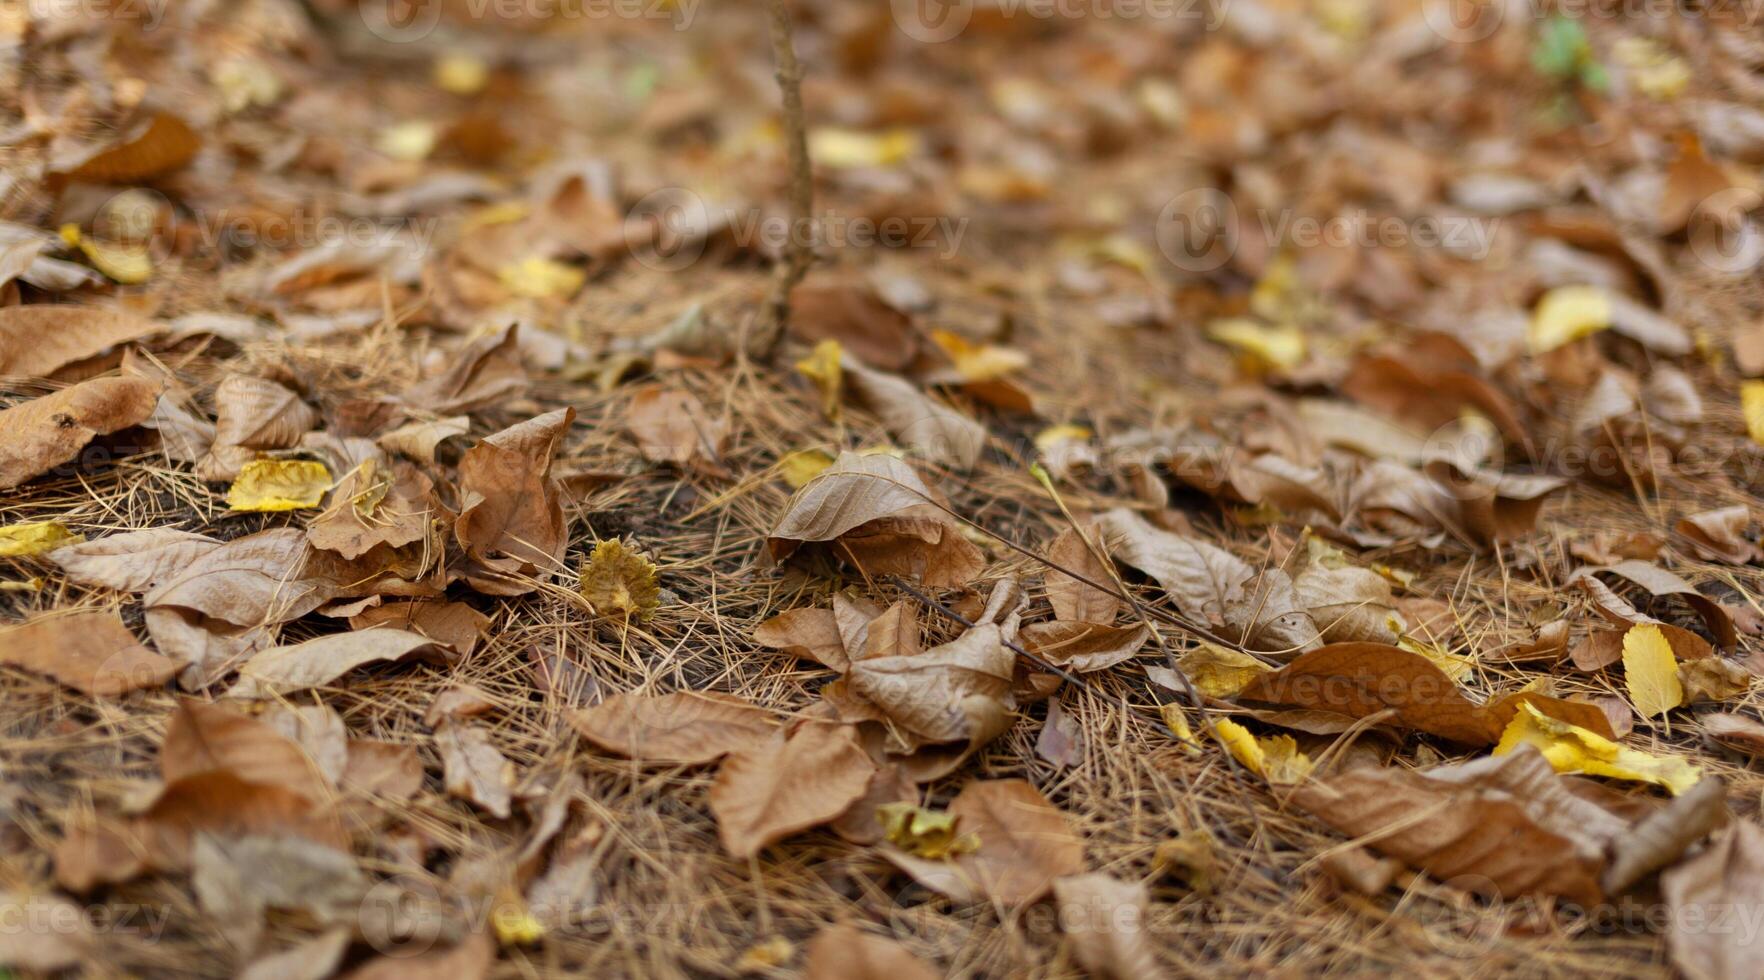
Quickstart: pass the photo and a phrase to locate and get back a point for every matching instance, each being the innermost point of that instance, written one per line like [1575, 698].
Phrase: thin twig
[799, 247]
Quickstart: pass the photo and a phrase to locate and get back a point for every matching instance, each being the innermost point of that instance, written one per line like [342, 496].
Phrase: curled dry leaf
[36, 340]
[1083, 647]
[785, 785]
[452, 624]
[1661, 837]
[319, 661]
[1275, 758]
[809, 634]
[1737, 732]
[511, 518]
[1658, 582]
[858, 320]
[939, 695]
[845, 952]
[856, 489]
[921, 422]
[616, 580]
[1026, 844]
[1203, 580]
[1220, 672]
[1073, 600]
[156, 145]
[486, 372]
[1719, 535]
[89, 650]
[685, 728]
[249, 581]
[375, 505]
[1713, 679]
[1362, 679]
[43, 433]
[271, 485]
[35, 538]
[1570, 748]
[252, 415]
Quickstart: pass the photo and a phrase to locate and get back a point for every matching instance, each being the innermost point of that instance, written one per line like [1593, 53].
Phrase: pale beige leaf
[203, 737]
[312, 959]
[1083, 647]
[924, 694]
[485, 372]
[252, 414]
[845, 952]
[810, 634]
[248, 581]
[782, 786]
[1026, 843]
[854, 490]
[1106, 920]
[63, 940]
[319, 661]
[35, 340]
[919, 421]
[473, 769]
[1203, 580]
[318, 730]
[1073, 600]
[686, 728]
[673, 426]
[133, 561]
[1724, 882]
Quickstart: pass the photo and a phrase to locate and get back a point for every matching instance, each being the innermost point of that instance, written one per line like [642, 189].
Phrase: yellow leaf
[1752, 406]
[1572, 749]
[1177, 722]
[1650, 671]
[505, 213]
[24, 540]
[541, 278]
[1053, 435]
[832, 146]
[1275, 758]
[1279, 348]
[1657, 72]
[1219, 672]
[1455, 666]
[799, 467]
[1566, 314]
[127, 264]
[245, 82]
[514, 923]
[408, 141]
[979, 362]
[930, 834]
[279, 484]
[768, 955]
[822, 367]
[1125, 252]
[618, 579]
[461, 73]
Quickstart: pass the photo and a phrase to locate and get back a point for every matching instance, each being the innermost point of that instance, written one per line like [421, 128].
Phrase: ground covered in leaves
[1264, 486]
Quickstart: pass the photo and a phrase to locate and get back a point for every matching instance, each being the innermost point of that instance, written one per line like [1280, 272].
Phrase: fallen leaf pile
[1241, 488]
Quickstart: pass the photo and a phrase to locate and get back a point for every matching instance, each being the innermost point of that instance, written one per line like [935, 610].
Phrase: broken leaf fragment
[1266, 348]
[1566, 314]
[822, 368]
[536, 277]
[1572, 749]
[616, 579]
[279, 484]
[930, 834]
[1752, 407]
[799, 467]
[1275, 758]
[35, 538]
[1650, 671]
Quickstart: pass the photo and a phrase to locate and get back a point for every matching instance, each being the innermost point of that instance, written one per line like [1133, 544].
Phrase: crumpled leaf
[250, 581]
[1722, 885]
[1650, 672]
[617, 579]
[1719, 535]
[511, 519]
[1026, 843]
[36, 340]
[918, 420]
[787, 784]
[685, 728]
[1220, 672]
[673, 426]
[822, 368]
[1500, 827]
[35, 538]
[811, 634]
[1072, 600]
[236, 879]
[930, 834]
[856, 489]
[484, 373]
[1713, 679]
[1202, 579]
[38, 435]
[932, 696]
[1658, 582]
[375, 505]
[278, 485]
[319, 661]
[252, 415]
[1570, 748]
[1083, 647]
[89, 650]
[1275, 758]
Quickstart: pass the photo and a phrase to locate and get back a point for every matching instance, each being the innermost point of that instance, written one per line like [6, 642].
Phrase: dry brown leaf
[41, 434]
[922, 545]
[858, 319]
[1713, 679]
[673, 426]
[320, 733]
[470, 960]
[154, 146]
[319, 661]
[252, 415]
[1661, 837]
[809, 634]
[845, 952]
[89, 650]
[1362, 679]
[1106, 919]
[236, 879]
[486, 372]
[64, 941]
[1083, 647]
[1499, 827]
[1348, 604]
[783, 785]
[375, 505]
[935, 695]
[422, 440]
[511, 518]
[1073, 600]
[1736, 732]
[312, 959]
[1657, 582]
[1721, 885]
[1719, 535]
[1026, 844]
[36, 340]
[918, 420]
[1203, 580]
[472, 768]
[685, 728]
[452, 624]
[855, 490]
[203, 737]
[458, 701]
[133, 561]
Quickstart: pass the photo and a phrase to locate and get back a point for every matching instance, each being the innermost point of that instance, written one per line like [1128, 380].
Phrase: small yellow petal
[979, 362]
[541, 278]
[461, 73]
[1280, 348]
[408, 141]
[1566, 314]
[1275, 758]
[847, 148]
[822, 366]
